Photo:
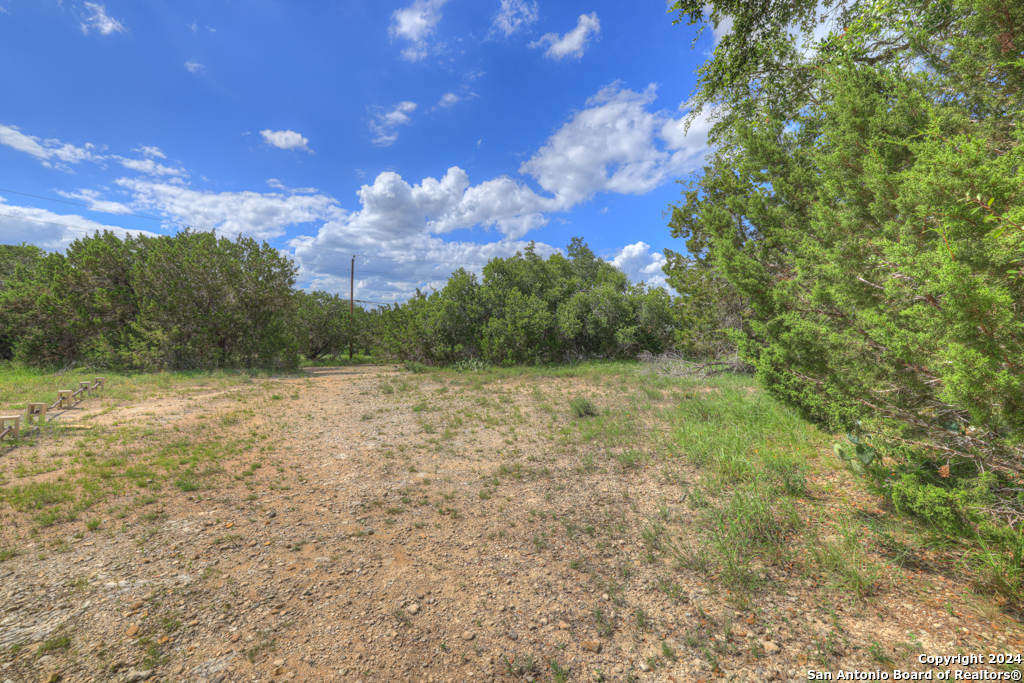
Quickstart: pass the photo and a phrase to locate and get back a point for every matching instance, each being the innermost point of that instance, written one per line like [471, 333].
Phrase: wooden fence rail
[10, 425]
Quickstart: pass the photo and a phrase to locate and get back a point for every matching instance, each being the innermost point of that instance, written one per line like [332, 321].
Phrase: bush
[582, 407]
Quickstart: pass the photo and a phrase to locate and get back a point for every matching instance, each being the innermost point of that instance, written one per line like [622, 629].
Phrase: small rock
[279, 670]
[234, 638]
[413, 608]
[644, 666]
[137, 605]
[618, 669]
[770, 648]
[134, 676]
[468, 635]
[194, 622]
[133, 630]
[564, 626]
[271, 513]
[278, 662]
[591, 645]
[604, 596]
[512, 635]
[52, 678]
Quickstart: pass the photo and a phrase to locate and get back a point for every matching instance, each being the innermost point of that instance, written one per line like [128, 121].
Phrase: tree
[871, 218]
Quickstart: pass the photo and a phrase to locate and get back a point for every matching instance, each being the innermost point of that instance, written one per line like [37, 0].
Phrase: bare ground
[437, 530]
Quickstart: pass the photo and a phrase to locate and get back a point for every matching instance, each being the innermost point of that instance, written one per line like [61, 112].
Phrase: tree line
[194, 300]
[857, 235]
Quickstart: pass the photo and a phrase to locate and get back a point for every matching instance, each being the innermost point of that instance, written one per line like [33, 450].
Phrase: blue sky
[418, 134]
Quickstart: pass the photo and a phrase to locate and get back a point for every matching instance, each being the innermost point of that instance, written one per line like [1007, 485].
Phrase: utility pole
[351, 307]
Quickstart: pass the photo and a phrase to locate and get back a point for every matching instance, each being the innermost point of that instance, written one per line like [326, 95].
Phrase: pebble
[591, 645]
[512, 635]
[132, 630]
[137, 604]
[135, 676]
[564, 626]
[770, 648]
[413, 608]
[468, 635]
[271, 513]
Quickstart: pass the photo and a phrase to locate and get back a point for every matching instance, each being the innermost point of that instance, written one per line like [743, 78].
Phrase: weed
[559, 675]
[629, 459]
[55, 643]
[93, 524]
[415, 366]
[878, 653]
[522, 664]
[582, 407]
[643, 620]
[8, 553]
[604, 627]
[668, 652]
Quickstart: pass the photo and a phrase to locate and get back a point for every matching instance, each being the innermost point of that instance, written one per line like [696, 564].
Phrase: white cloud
[150, 167]
[194, 67]
[513, 16]
[50, 152]
[615, 145]
[150, 151]
[278, 185]
[416, 23]
[46, 229]
[637, 261]
[723, 29]
[449, 99]
[252, 213]
[573, 43]
[99, 21]
[95, 201]
[386, 121]
[285, 139]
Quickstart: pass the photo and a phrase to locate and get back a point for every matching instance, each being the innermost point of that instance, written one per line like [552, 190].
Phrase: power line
[228, 232]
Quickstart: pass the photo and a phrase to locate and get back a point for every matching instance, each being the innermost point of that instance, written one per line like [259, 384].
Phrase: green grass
[583, 407]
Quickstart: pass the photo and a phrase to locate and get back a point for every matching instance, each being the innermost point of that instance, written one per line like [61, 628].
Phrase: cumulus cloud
[513, 16]
[285, 139]
[619, 142]
[573, 43]
[194, 67]
[52, 153]
[616, 145]
[637, 261]
[94, 200]
[385, 121]
[47, 229]
[150, 167]
[416, 23]
[253, 213]
[449, 99]
[150, 151]
[99, 21]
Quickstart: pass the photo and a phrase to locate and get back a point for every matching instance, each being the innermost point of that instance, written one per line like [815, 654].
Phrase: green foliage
[529, 310]
[707, 307]
[328, 326]
[583, 407]
[187, 301]
[865, 203]
[415, 366]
